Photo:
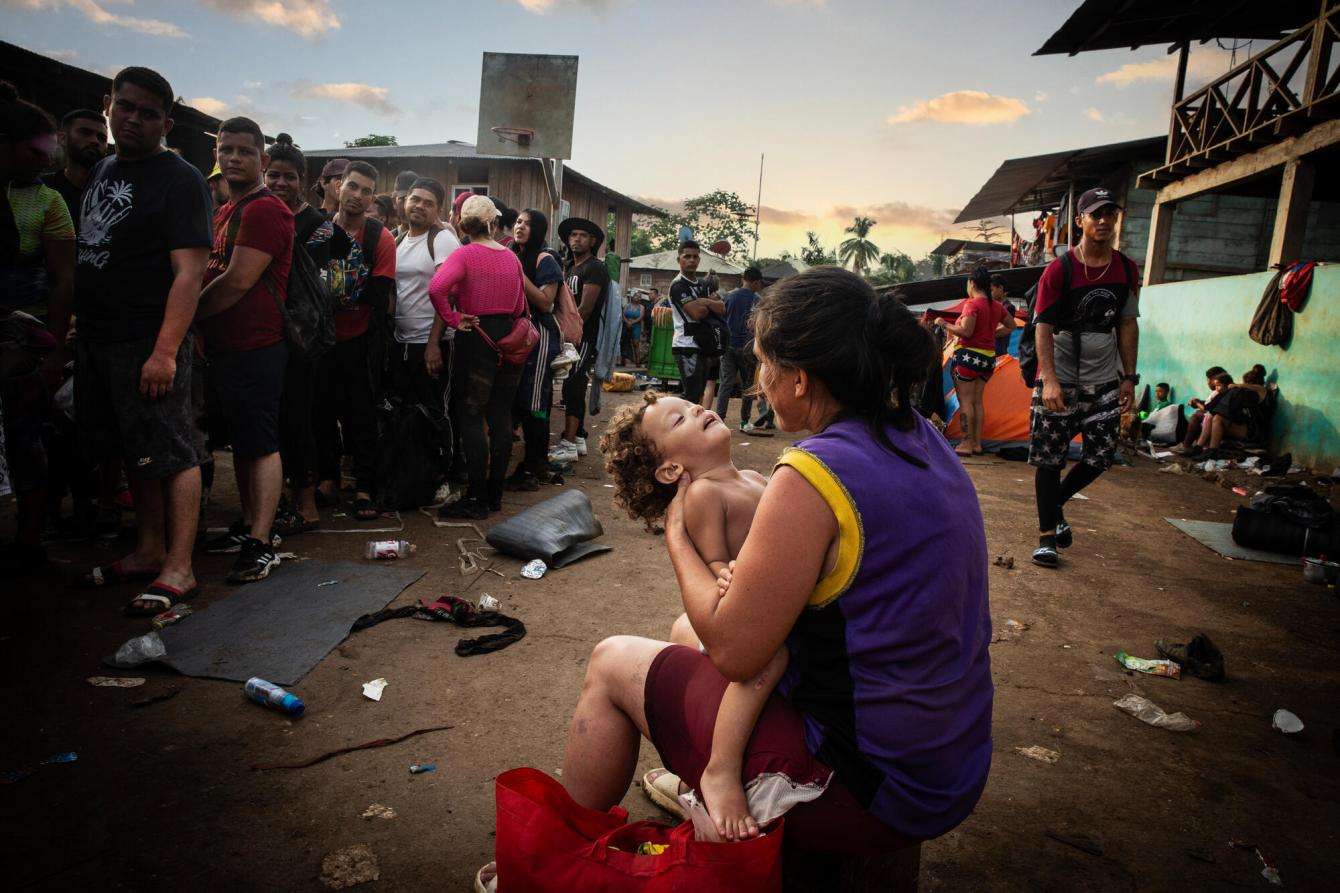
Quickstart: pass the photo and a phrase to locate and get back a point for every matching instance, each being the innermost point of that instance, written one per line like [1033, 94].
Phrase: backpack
[309, 319]
[412, 456]
[433, 230]
[710, 334]
[1272, 323]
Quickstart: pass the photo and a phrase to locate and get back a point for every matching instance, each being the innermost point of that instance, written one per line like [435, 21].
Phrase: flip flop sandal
[165, 595]
[112, 574]
[662, 788]
[364, 510]
[486, 879]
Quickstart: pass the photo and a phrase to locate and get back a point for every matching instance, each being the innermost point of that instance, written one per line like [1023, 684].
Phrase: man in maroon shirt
[241, 315]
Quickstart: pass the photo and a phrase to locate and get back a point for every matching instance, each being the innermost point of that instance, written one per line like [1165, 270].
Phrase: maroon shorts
[682, 694]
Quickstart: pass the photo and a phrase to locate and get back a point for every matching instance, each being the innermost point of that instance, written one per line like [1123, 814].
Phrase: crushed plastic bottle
[139, 650]
[534, 570]
[1147, 711]
[387, 549]
[488, 603]
[274, 697]
[1286, 722]
[171, 615]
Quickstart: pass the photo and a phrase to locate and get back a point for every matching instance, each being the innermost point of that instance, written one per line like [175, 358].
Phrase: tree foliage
[815, 254]
[859, 251]
[372, 139]
[712, 217]
[894, 267]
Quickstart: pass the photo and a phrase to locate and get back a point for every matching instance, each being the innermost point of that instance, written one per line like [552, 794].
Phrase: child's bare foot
[723, 795]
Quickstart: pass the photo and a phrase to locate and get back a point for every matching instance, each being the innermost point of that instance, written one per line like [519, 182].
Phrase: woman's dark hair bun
[283, 139]
[868, 349]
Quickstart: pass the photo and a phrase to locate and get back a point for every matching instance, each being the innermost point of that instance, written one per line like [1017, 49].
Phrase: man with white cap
[1088, 337]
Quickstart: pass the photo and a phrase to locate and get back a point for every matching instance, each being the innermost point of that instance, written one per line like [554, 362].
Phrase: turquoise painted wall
[1186, 327]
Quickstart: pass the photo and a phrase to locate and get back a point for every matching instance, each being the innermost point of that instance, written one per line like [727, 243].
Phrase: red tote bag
[547, 843]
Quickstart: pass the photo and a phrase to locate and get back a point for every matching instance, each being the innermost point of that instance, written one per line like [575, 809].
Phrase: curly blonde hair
[631, 460]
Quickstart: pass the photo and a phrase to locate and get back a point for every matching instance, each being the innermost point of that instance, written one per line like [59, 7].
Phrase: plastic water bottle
[273, 696]
[139, 650]
[389, 549]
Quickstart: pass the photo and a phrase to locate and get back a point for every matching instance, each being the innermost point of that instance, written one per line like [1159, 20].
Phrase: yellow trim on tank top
[851, 536]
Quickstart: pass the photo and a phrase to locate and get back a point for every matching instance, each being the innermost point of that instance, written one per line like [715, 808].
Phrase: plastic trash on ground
[139, 650]
[373, 690]
[1039, 753]
[1149, 667]
[1286, 722]
[116, 681]
[534, 570]
[273, 696]
[1147, 711]
[489, 603]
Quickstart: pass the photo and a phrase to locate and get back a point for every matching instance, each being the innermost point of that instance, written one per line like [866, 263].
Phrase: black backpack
[309, 318]
[1028, 348]
[413, 456]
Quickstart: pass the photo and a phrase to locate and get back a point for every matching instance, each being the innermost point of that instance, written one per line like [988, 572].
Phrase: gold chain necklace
[1079, 249]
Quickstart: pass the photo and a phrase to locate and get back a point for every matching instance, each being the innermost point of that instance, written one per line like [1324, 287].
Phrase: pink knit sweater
[478, 281]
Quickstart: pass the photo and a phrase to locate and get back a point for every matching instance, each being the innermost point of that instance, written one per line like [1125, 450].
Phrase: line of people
[151, 313]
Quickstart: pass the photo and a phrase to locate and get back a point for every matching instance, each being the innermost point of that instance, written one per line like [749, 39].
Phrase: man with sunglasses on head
[143, 240]
[1088, 335]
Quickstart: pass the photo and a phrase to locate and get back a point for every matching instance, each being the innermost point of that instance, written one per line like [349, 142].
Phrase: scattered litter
[289, 556]
[156, 699]
[270, 695]
[389, 549]
[1172, 468]
[489, 603]
[380, 742]
[1268, 870]
[1160, 454]
[373, 690]
[1200, 657]
[1286, 722]
[1241, 491]
[421, 768]
[116, 681]
[608, 486]
[1009, 631]
[139, 650]
[171, 615]
[327, 583]
[1005, 561]
[534, 570]
[1147, 711]
[378, 811]
[1149, 667]
[1079, 496]
[1041, 754]
[1250, 462]
[350, 867]
[1083, 844]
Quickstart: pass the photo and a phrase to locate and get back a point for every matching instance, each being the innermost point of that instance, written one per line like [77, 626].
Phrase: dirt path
[162, 798]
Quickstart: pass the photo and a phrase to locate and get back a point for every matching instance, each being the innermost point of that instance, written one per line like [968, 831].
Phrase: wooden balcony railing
[1278, 92]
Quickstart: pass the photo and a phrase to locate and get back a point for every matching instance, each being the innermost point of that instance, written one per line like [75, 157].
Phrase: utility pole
[758, 206]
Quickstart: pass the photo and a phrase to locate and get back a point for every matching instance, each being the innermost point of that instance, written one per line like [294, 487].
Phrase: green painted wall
[1186, 327]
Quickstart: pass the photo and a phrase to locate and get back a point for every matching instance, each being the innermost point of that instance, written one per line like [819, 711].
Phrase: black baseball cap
[1096, 198]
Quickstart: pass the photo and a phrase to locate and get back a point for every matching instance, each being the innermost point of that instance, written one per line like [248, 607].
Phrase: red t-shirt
[255, 321]
[989, 313]
[352, 320]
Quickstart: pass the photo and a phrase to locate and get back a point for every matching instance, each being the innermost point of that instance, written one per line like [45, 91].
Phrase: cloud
[973, 107]
[210, 106]
[1094, 115]
[374, 99]
[1203, 64]
[306, 18]
[1040, 97]
[781, 217]
[62, 55]
[931, 220]
[540, 7]
[96, 14]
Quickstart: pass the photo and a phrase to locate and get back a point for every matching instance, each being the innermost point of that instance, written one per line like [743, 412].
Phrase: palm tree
[896, 267]
[859, 250]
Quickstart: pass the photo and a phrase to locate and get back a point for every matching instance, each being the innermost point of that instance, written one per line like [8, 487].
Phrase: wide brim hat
[587, 226]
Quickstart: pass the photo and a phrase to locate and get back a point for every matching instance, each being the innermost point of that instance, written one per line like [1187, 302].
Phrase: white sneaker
[581, 446]
[563, 452]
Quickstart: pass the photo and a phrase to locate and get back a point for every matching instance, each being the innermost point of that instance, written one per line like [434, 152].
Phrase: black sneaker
[232, 541]
[1046, 556]
[254, 560]
[1065, 537]
[468, 509]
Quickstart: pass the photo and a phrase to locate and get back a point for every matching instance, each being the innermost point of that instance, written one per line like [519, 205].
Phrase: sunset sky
[896, 110]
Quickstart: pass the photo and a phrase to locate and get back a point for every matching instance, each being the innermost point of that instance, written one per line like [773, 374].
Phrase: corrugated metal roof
[1104, 25]
[951, 247]
[954, 288]
[669, 261]
[1040, 181]
[466, 151]
[780, 269]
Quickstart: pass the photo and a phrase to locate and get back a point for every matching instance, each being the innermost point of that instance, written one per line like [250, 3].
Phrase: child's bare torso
[738, 500]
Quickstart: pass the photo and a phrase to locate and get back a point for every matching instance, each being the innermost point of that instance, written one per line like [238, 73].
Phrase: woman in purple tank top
[867, 559]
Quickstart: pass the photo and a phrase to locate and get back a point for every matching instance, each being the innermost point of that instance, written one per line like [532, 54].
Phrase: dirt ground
[162, 797]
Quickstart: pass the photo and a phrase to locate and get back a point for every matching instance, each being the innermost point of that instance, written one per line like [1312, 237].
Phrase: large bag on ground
[411, 459]
[1167, 425]
[547, 843]
[557, 530]
[1289, 520]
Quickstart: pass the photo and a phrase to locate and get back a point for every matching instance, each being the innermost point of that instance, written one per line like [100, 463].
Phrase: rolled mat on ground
[283, 626]
[557, 530]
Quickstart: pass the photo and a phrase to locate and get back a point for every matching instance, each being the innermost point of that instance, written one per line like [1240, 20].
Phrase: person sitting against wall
[1233, 412]
[1197, 420]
